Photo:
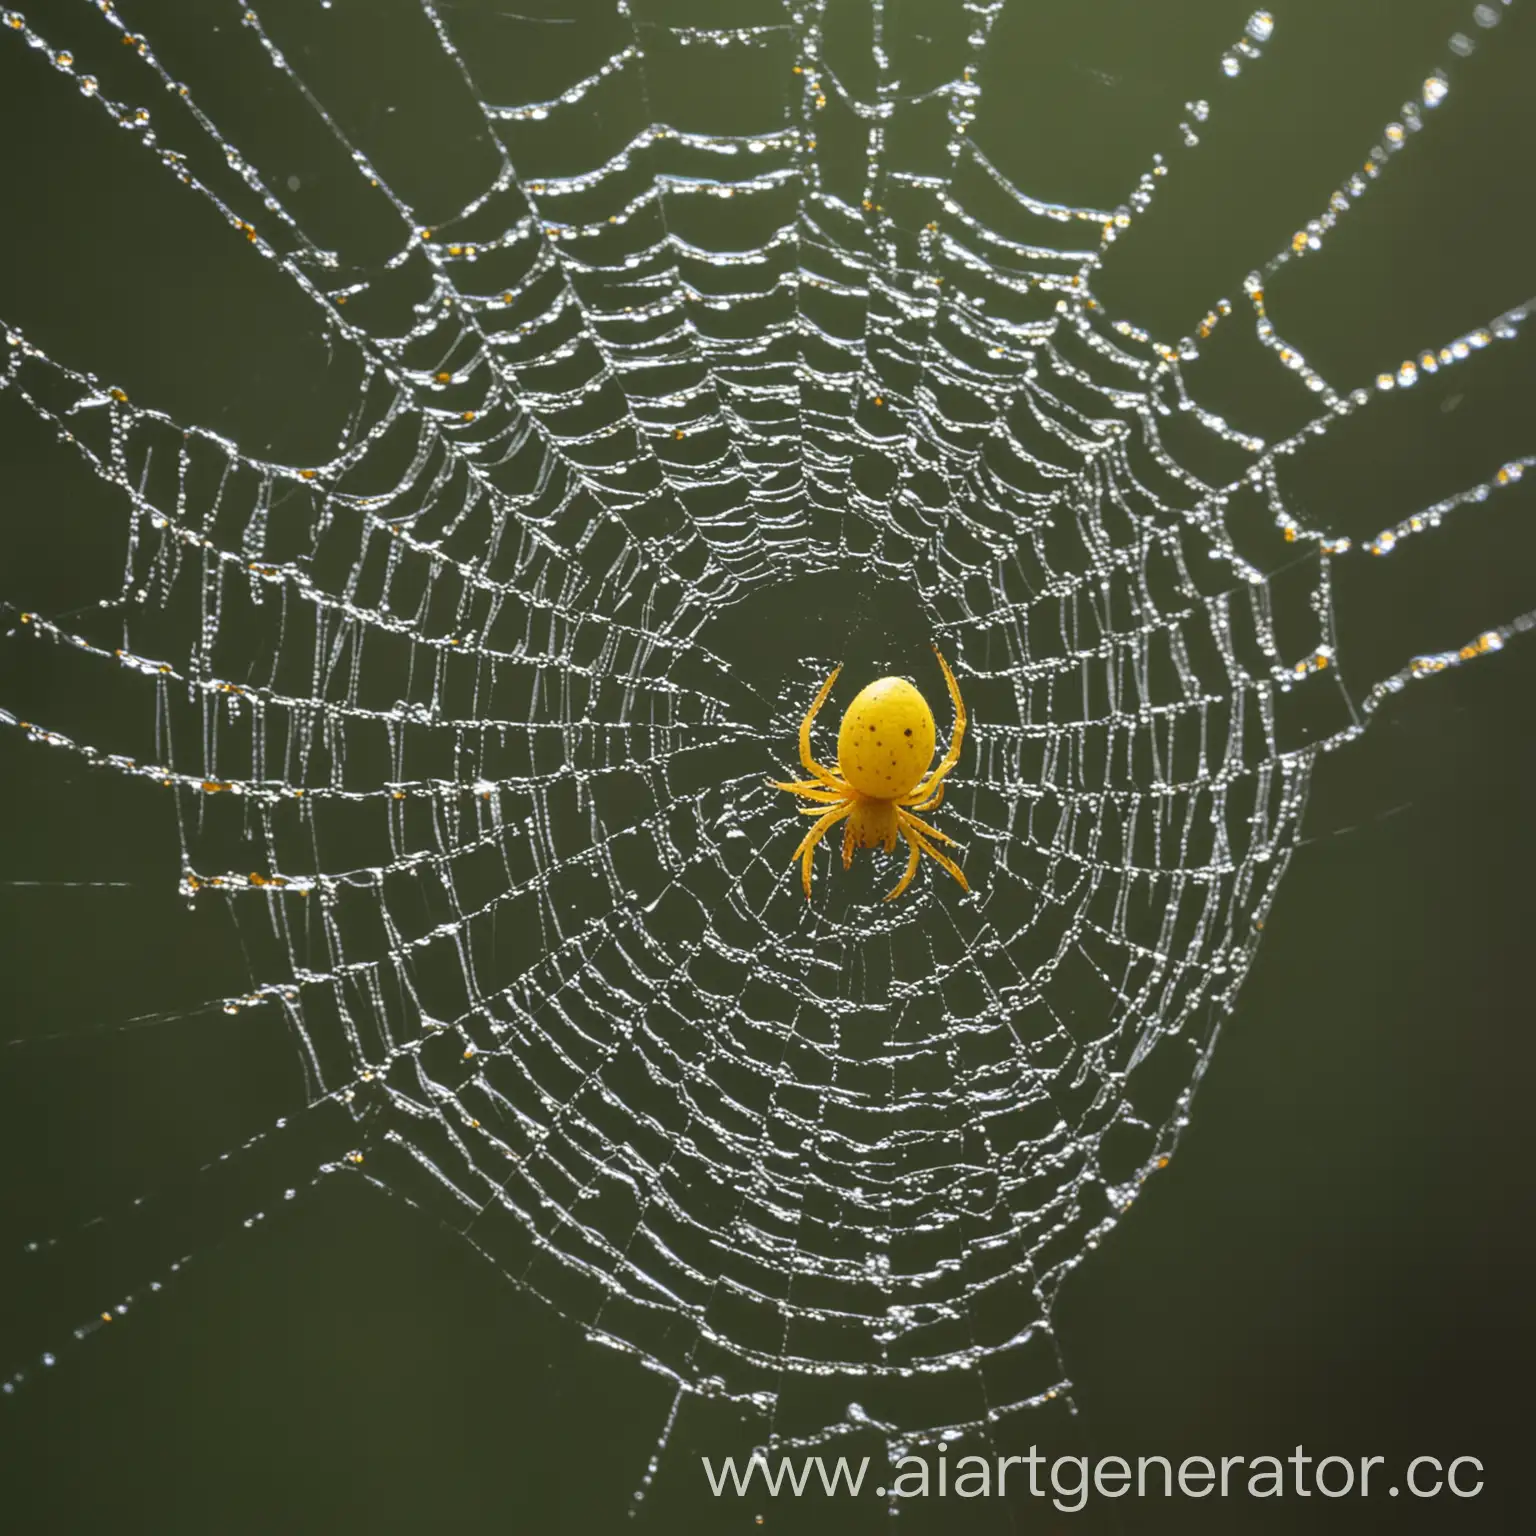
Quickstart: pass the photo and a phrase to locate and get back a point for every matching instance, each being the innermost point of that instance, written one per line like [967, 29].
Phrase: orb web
[640, 433]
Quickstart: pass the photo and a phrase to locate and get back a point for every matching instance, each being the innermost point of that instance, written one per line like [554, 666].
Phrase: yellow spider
[884, 747]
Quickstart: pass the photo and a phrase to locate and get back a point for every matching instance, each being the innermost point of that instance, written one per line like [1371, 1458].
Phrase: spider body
[884, 747]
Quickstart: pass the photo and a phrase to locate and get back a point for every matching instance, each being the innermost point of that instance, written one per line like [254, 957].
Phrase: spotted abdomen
[886, 740]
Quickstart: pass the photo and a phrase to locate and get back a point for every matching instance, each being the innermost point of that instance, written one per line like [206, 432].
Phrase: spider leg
[957, 736]
[913, 835]
[911, 870]
[848, 845]
[820, 791]
[908, 819]
[809, 763]
[802, 786]
[808, 843]
[912, 803]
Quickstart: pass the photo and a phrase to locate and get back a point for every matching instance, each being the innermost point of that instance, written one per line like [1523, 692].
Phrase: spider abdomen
[886, 739]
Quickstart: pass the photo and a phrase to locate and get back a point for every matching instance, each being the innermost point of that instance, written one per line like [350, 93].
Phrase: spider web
[468, 718]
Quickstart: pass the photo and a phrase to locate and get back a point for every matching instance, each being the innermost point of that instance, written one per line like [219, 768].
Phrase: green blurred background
[1341, 1253]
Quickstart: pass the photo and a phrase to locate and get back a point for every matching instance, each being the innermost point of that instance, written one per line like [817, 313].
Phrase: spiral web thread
[832, 1160]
